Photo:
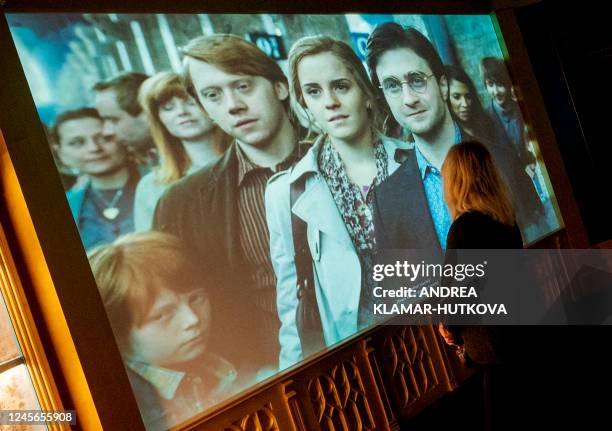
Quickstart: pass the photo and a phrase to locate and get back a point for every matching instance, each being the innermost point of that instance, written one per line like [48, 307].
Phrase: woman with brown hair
[329, 85]
[186, 139]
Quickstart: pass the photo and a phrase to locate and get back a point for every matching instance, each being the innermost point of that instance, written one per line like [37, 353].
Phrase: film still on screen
[233, 177]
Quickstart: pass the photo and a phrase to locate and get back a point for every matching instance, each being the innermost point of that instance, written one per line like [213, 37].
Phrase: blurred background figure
[184, 135]
[508, 124]
[535, 164]
[102, 201]
[157, 303]
[466, 106]
[116, 100]
[68, 175]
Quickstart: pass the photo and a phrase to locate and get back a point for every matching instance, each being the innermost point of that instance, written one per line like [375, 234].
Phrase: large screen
[224, 172]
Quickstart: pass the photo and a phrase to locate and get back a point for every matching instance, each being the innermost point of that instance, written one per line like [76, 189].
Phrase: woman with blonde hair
[334, 181]
[186, 139]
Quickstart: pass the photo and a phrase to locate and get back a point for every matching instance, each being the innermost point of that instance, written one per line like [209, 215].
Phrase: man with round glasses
[409, 207]
[410, 211]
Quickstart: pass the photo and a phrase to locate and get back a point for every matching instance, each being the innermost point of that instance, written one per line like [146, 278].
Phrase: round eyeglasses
[416, 81]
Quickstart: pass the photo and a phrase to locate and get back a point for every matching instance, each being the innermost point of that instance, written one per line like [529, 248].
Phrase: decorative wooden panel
[265, 410]
[261, 420]
[378, 378]
[339, 399]
[414, 369]
[388, 374]
[295, 407]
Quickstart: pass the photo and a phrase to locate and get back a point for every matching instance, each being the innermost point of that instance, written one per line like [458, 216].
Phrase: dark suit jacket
[402, 219]
[202, 210]
[502, 138]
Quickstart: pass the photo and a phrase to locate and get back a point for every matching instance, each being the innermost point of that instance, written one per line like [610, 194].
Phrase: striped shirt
[254, 234]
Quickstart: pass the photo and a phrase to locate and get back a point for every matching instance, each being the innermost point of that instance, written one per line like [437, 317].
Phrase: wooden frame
[30, 343]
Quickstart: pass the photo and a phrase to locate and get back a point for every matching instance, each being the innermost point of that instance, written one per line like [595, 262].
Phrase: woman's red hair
[472, 182]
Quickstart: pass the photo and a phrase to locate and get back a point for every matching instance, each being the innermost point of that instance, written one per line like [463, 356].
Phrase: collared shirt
[434, 192]
[187, 394]
[254, 234]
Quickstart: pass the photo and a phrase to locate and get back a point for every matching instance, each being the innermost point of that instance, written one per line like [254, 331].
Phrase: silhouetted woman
[483, 218]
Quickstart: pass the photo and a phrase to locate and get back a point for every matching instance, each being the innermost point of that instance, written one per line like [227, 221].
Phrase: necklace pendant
[111, 213]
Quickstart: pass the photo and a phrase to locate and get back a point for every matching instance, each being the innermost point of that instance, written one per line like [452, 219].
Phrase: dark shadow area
[554, 379]
[570, 49]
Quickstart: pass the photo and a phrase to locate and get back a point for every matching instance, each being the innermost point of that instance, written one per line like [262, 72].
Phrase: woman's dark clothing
[485, 345]
[475, 230]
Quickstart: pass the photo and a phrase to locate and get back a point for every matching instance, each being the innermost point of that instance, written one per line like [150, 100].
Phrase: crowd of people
[261, 199]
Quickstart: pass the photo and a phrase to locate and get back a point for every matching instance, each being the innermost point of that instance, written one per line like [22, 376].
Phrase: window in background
[16, 389]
